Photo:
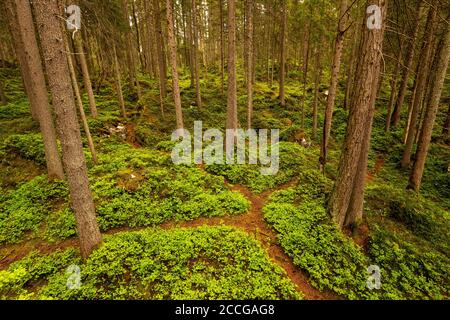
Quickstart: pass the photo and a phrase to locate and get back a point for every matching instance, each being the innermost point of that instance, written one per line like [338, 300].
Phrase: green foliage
[203, 263]
[21, 278]
[422, 217]
[316, 245]
[408, 271]
[26, 207]
[293, 159]
[29, 146]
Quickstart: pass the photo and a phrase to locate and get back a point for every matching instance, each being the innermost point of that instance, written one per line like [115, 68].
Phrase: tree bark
[438, 79]
[283, 54]
[250, 68]
[340, 206]
[160, 48]
[198, 93]
[119, 83]
[317, 79]
[232, 85]
[51, 36]
[394, 83]
[30, 59]
[173, 62]
[407, 69]
[420, 86]
[85, 72]
[338, 47]
[80, 103]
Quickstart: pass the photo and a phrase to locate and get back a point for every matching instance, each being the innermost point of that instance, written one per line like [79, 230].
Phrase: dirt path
[252, 223]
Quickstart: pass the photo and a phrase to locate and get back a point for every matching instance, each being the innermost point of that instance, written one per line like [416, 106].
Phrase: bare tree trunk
[438, 79]
[30, 59]
[173, 62]
[338, 47]
[341, 206]
[420, 86]
[49, 27]
[232, 119]
[394, 83]
[283, 54]
[407, 69]
[222, 50]
[195, 55]
[160, 48]
[351, 69]
[80, 103]
[250, 68]
[85, 72]
[119, 83]
[317, 79]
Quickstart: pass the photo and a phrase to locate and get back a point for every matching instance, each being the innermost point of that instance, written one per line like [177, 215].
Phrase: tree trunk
[407, 69]
[317, 79]
[119, 83]
[49, 27]
[250, 68]
[438, 79]
[160, 48]
[85, 72]
[341, 206]
[173, 62]
[338, 47]
[232, 86]
[420, 86]
[80, 103]
[222, 50]
[394, 83]
[283, 54]
[198, 93]
[30, 59]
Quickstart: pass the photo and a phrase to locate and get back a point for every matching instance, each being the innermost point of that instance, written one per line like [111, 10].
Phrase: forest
[224, 150]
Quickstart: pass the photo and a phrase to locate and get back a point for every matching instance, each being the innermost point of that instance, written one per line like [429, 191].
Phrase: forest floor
[196, 231]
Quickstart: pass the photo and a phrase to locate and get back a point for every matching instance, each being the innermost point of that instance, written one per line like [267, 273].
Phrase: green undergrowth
[334, 262]
[203, 263]
[293, 160]
[131, 188]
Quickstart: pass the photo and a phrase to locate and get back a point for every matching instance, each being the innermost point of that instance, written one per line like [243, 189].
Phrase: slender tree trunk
[160, 48]
[338, 47]
[195, 55]
[407, 69]
[438, 79]
[283, 54]
[420, 88]
[119, 83]
[49, 27]
[173, 62]
[394, 83]
[317, 79]
[80, 103]
[232, 119]
[341, 206]
[222, 50]
[30, 59]
[85, 72]
[250, 68]
[351, 69]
